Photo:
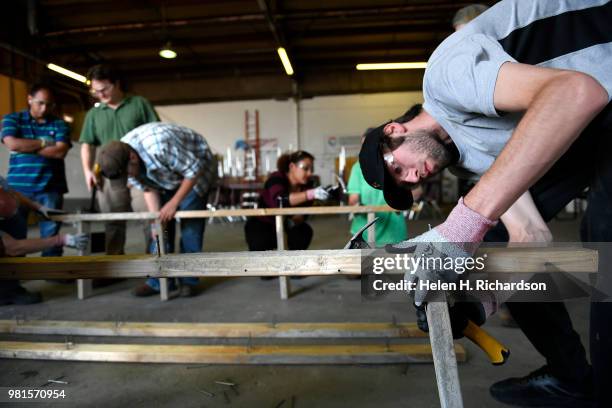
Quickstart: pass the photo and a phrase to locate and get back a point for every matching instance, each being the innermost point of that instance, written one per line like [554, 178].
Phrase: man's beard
[429, 143]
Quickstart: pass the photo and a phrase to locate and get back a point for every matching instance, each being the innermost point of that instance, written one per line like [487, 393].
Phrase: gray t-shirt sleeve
[461, 75]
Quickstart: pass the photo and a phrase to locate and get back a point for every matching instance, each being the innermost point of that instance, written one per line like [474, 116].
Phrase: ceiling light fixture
[67, 72]
[392, 65]
[167, 51]
[285, 60]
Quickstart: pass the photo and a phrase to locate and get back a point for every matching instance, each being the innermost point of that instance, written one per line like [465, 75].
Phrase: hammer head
[357, 241]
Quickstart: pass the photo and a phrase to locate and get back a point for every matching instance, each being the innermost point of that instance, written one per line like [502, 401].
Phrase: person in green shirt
[114, 115]
[391, 227]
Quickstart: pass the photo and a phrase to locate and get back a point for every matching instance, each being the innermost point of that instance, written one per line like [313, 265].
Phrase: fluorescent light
[392, 65]
[68, 118]
[67, 72]
[167, 51]
[285, 60]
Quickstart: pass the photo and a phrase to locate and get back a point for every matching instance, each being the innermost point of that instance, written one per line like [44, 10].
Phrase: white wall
[222, 123]
[307, 126]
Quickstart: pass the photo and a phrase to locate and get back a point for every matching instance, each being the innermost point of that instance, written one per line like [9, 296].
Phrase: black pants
[588, 163]
[261, 235]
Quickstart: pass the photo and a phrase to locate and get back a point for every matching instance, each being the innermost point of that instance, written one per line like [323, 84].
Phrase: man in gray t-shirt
[518, 99]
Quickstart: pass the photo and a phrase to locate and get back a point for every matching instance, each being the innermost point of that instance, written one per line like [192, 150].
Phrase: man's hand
[458, 237]
[460, 313]
[524, 222]
[90, 179]
[77, 241]
[168, 211]
[429, 246]
[46, 212]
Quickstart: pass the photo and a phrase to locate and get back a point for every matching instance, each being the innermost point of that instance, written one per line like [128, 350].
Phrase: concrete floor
[254, 300]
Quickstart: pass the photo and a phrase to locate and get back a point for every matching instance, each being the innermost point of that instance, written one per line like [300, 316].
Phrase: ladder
[251, 137]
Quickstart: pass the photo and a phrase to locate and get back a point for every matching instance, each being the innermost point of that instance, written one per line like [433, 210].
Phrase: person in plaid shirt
[175, 167]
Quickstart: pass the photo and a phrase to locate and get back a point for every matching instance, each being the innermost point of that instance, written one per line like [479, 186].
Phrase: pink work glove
[457, 237]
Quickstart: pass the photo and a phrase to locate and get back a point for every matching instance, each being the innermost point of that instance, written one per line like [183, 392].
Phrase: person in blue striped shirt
[38, 142]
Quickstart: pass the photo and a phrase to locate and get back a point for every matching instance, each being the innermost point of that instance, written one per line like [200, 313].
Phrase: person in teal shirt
[391, 227]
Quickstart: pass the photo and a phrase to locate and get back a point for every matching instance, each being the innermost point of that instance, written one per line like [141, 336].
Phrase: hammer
[357, 241]
[496, 352]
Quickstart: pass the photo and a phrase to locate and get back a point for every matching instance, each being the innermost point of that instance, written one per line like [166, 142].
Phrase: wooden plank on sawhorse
[222, 354]
[269, 263]
[253, 212]
[212, 330]
[84, 286]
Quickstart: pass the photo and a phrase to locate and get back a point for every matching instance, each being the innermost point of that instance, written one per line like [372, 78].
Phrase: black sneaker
[20, 296]
[542, 389]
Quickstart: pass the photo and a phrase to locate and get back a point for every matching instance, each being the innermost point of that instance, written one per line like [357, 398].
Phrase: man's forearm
[20, 145]
[184, 189]
[151, 198]
[18, 247]
[26, 202]
[554, 119]
[57, 151]
[524, 222]
[87, 154]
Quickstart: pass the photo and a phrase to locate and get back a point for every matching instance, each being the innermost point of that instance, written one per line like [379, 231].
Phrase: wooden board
[560, 259]
[201, 354]
[255, 212]
[444, 355]
[223, 264]
[212, 330]
[271, 263]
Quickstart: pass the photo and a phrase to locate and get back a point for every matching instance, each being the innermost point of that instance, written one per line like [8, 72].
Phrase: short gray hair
[468, 13]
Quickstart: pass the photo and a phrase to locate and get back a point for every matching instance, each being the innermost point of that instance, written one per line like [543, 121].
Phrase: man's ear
[392, 128]
[134, 157]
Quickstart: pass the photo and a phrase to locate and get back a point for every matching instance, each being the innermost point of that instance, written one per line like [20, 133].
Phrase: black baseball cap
[376, 174]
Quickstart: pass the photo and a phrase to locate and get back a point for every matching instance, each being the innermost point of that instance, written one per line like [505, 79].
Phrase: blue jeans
[192, 232]
[47, 228]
